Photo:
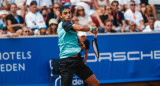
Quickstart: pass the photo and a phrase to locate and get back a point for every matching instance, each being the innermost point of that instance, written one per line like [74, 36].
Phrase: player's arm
[69, 26]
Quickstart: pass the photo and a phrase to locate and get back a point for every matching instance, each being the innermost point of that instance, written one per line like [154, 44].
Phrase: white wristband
[91, 28]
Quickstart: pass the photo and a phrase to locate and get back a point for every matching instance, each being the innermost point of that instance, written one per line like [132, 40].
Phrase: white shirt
[46, 3]
[84, 20]
[135, 17]
[148, 29]
[34, 20]
[157, 24]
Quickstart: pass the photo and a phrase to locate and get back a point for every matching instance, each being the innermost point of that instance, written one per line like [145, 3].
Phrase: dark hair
[33, 3]
[62, 8]
[13, 4]
[115, 2]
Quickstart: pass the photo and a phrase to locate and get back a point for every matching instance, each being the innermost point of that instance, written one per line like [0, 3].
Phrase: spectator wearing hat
[53, 25]
[14, 21]
[3, 15]
[42, 30]
[33, 18]
[54, 13]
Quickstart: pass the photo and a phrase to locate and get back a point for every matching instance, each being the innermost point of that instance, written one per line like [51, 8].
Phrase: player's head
[65, 13]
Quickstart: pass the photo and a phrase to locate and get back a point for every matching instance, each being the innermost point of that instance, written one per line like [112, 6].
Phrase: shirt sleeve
[67, 26]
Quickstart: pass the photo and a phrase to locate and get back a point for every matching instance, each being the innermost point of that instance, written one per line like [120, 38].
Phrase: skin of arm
[99, 20]
[123, 25]
[96, 4]
[11, 26]
[86, 56]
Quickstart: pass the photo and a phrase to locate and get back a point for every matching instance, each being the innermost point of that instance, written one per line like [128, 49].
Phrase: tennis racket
[95, 46]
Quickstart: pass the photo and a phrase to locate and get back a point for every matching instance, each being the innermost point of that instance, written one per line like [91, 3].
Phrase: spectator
[53, 25]
[108, 27]
[151, 27]
[121, 4]
[26, 31]
[33, 18]
[137, 4]
[147, 14]
[86, 4]
[41, 4]
[54, 13]
[118, 18]
[3, 15]
[44, 14]
[23, 11]
[14, 21]
[146, 2]
[42, 30]
[103, 16]
[135, 16]
[132, 27]
[20, 3]
[82, 17]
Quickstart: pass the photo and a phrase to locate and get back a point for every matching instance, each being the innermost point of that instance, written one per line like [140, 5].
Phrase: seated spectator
[132, 27]
[82, 17]
[147, 14]
[145, 3]
[14, 21]
[41, 4]
[86, 4]
[151, 27]
[3, 15]
[53, 25]
[121, 4]
[137, 4]
[25, 31]
[42, 30]
[33, 18]
[135, 16]
[108, 27]
[54, 13]
[102, 17]
[118, 18]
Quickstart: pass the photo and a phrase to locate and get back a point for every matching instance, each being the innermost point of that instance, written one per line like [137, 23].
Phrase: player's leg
[92, 80]
[65, 73]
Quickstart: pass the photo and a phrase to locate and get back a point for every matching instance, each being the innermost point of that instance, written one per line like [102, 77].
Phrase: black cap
[62, 8]
[33, 3]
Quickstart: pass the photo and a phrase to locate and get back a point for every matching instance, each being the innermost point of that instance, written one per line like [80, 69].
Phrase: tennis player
[70, 62]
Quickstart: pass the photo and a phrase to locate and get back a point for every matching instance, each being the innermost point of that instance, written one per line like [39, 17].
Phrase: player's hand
[95, 30]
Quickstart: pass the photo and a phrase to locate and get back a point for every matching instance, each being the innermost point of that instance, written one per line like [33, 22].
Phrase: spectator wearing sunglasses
[14, 21]
[127, 4]
[103, 16]
[33, 18]
[132, 27]
[135, 16]
[118, 18]
[108, 27]
[55, 14]
[82, 17]
[26, 31]
[147, 14]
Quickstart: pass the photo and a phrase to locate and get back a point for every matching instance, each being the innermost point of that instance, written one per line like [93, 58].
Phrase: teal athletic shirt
[67, 40]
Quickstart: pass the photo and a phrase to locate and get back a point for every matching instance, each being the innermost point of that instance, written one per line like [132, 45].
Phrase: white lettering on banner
[13, 57]
[125, 56]
[157, 54]
[119, 56]
[132, 53]
[12, 67]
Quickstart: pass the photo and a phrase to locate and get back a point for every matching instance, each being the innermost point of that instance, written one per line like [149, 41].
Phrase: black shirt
[104, 18]
[14, 21]
[117, 18]
[86, 43]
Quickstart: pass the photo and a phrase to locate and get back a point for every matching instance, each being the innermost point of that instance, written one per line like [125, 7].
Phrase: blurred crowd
[41, 17]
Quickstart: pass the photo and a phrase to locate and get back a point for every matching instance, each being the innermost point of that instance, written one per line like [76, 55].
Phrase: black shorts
[70, 66]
